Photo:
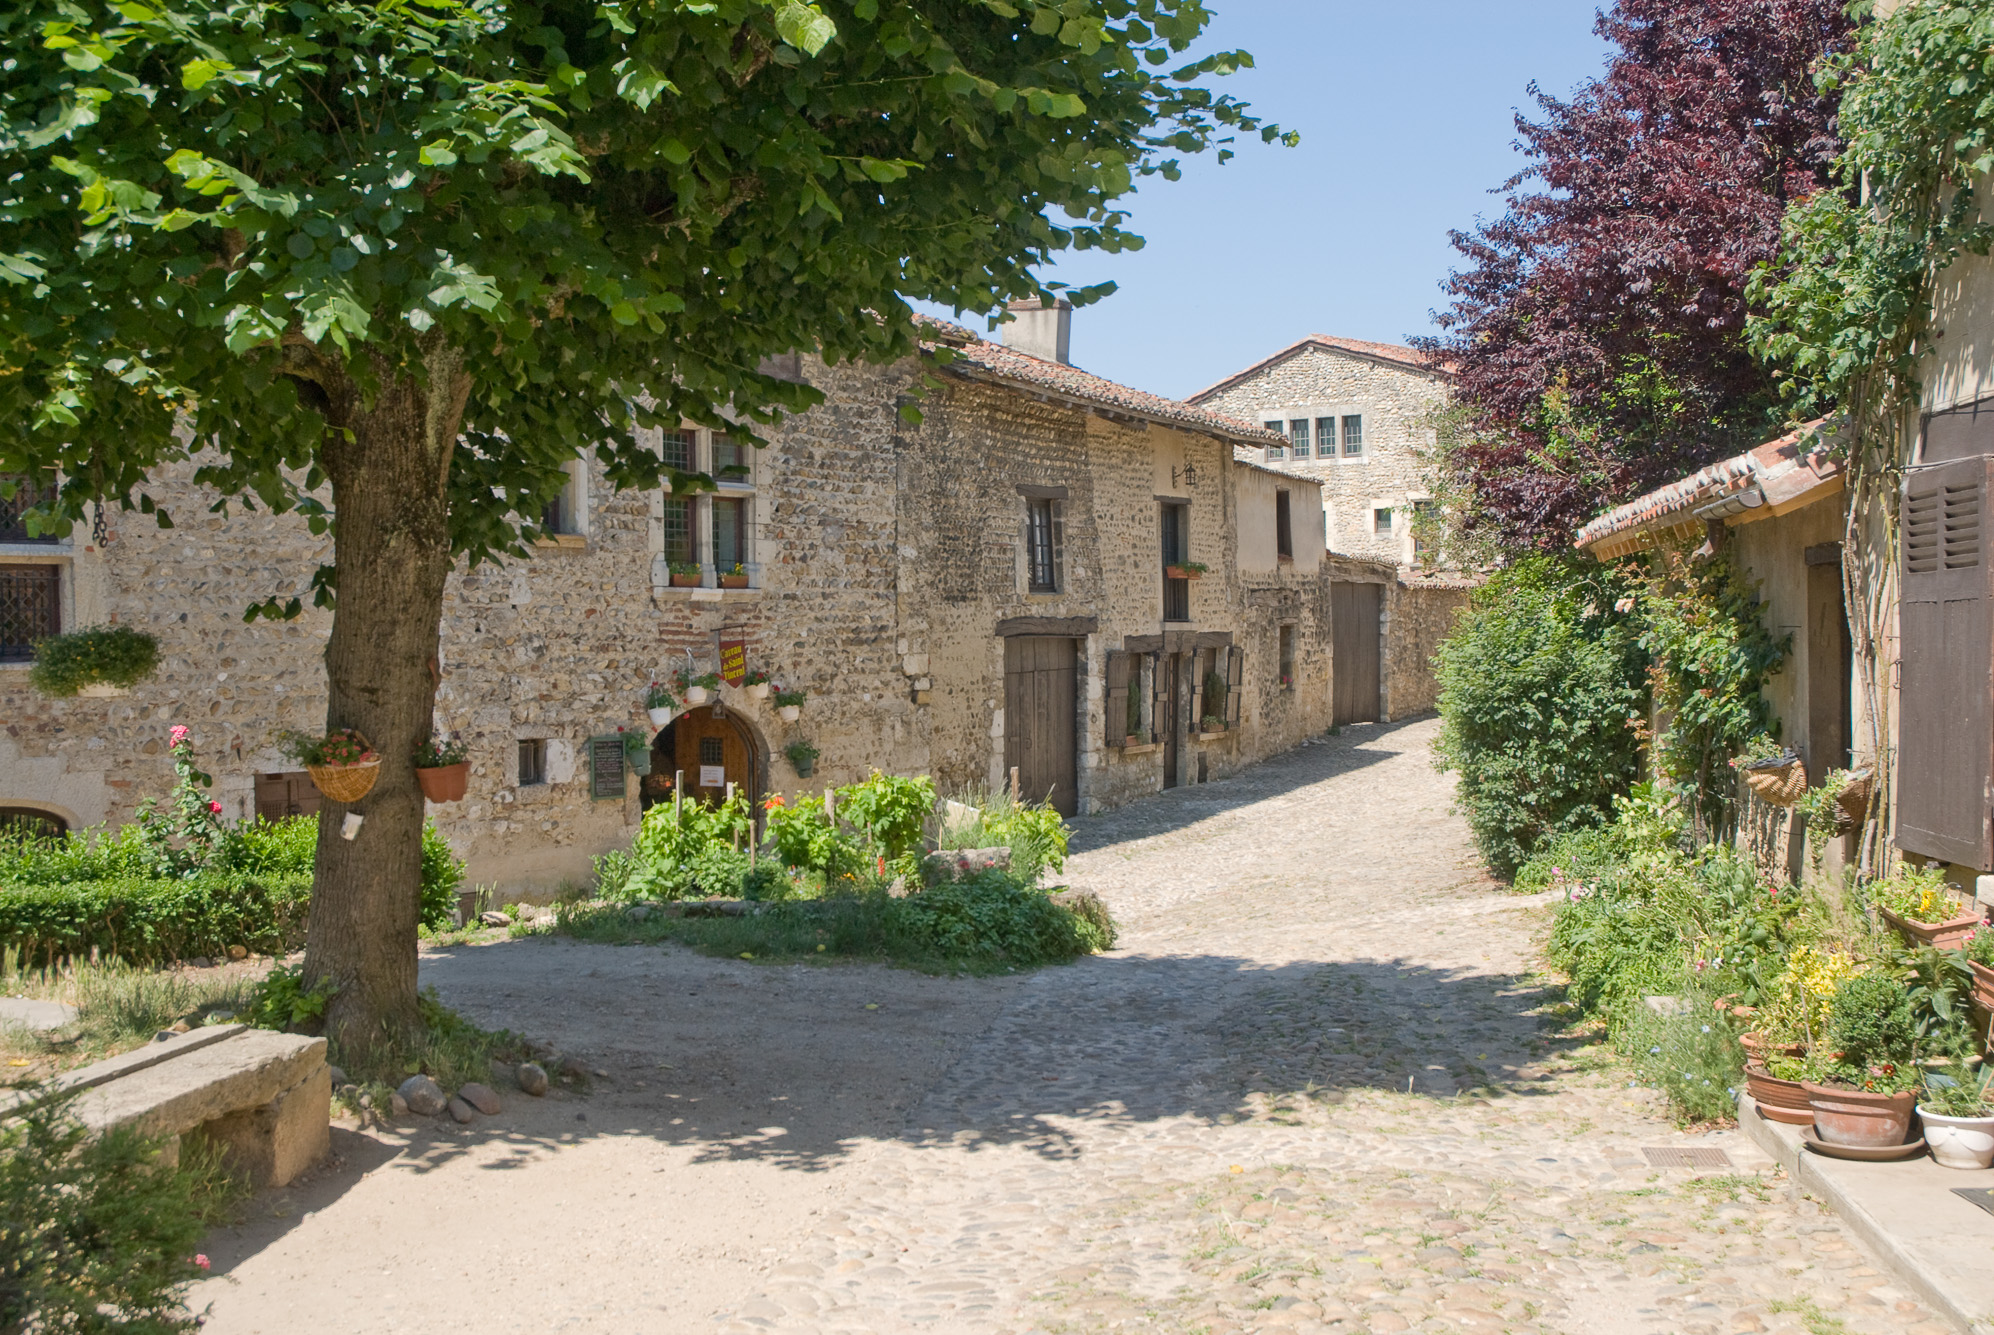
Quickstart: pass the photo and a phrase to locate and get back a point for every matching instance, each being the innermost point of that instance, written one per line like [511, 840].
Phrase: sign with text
[733, 661]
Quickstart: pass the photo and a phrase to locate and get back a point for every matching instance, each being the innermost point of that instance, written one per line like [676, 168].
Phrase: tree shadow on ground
[1357, 746]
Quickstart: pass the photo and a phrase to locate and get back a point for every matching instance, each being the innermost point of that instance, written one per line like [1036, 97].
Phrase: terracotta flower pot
[1179, 572]
[733, 581]
[1755, 1045]
[445, 783]
[685, 581]
[1958, 1142]
[1858, 1117]
[1778, 1100]
[1983, 985]
[1947, 935]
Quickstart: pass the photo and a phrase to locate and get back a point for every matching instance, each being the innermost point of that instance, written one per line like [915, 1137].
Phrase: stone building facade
[988, 590]
[1357, 416]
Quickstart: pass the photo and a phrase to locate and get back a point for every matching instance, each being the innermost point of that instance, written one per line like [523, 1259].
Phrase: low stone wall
[1420, 613]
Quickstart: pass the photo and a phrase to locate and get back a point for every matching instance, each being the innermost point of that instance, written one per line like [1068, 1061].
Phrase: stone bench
[265, 1097]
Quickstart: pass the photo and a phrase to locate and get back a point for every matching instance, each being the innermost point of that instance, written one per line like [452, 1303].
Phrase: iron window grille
[30, 608]
[27, 494]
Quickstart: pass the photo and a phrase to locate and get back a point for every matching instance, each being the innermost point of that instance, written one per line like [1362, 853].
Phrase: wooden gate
[1041, 705]
[1355, 612]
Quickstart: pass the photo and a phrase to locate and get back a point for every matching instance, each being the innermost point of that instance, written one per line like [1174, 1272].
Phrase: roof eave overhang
[1114, 412]
[1745, 505]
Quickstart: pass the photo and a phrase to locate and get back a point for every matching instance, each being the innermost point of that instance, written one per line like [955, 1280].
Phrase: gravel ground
[1318, 1087]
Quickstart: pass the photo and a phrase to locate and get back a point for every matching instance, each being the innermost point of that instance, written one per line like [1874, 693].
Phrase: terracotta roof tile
[986, 360]
[1769, 467]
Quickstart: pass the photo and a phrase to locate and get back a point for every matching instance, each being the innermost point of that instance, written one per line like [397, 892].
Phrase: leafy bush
[687, 848]
[805, 838]
[1919, 894]
[62, 898]
[889, 812]
[1035, 833]
[98, 1236]
[1872, 1023]
[994, 916]
[1538, 684]
[282, 1001]
[1690, 1055]
[98, 655]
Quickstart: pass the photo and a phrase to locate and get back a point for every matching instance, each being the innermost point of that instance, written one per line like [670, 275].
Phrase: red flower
[214, 808]
[201, 1260]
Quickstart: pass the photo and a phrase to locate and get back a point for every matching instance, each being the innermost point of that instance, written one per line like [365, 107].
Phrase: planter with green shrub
[100, 660]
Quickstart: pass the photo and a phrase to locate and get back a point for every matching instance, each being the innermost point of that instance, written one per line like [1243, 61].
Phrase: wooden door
[712, 752]
[1354, 651]
[288, 794]
[1041, 709]
[1170, 713]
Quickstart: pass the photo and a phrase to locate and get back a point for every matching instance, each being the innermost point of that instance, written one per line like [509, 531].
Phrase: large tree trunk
[388, 458]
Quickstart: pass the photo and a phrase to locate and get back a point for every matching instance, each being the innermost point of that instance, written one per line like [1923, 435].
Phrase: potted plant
[659, 702]
[734, 577]
[342, 764]
[756, 684]
[97, 661]
[685, 574]
[802, 757]
[1185, 570]
[443, 768]
[1773, 772]
[1211, 723]
[1958, 1124]
[1920, 905]
[1862, 1077]
[697, 690]
[1775, 1084]
[1979, 950]
[789, 704]
[636, 751]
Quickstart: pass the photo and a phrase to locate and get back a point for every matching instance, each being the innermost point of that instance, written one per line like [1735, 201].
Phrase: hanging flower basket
[1853, 800]
[342, 763]
[1780, 781]
[445, 783]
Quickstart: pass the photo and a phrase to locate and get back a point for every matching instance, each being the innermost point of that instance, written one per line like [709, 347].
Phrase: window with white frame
[1279, 426]
[1318, 431]
[709, 534]
[1381, 520]
[1353, 434]
[1298, 436]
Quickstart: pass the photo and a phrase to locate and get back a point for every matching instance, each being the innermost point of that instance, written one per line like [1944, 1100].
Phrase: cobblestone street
[1316, 1087]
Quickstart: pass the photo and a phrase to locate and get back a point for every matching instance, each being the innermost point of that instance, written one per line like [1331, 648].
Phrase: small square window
[730, 459]
[532, 762]
[1353, 434]
[712, 751]
[30, 608]
[676, 450]
[1381, 519]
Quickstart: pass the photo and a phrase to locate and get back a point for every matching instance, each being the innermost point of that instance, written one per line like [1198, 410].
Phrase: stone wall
[1397, 403]
[1419, 614]
[884, 556]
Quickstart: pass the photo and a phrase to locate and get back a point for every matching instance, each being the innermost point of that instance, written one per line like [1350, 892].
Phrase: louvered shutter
[1116, 708]
[1235, 665]
[1945, 772]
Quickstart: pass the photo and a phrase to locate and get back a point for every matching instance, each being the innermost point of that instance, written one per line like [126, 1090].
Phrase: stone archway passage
[712, 747]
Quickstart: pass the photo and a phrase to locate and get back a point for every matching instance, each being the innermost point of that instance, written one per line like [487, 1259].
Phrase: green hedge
[63, 898]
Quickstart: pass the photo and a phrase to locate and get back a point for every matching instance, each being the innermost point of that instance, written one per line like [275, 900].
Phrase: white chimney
[1041, 330]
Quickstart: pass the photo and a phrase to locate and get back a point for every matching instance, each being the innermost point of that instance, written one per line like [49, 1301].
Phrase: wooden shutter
[1116, 707]
[1161, 724]
[605, 768]
[1945, 778]
[1235, 663]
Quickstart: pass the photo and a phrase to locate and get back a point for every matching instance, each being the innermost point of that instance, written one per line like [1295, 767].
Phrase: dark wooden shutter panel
[1945, 779]
[1117, 703]
[1234, 674]
[1160, 722]
[605, 768]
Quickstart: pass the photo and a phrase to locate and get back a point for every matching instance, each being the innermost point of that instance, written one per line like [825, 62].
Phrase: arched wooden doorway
[32, 822]
[712, 746]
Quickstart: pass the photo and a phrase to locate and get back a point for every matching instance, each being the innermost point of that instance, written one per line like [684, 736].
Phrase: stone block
[953, 863]
[276, 1142]
[246, 1070]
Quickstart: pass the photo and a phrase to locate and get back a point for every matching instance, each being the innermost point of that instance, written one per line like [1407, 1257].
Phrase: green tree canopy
[422, 252]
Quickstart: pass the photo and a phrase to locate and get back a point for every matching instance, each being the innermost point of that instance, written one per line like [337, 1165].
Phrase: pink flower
[215, 808]
[201, 1260]
[178, 732]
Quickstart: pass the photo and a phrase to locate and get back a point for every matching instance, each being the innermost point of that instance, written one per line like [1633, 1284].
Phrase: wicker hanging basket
[1853, 800]
[346, 783]
[1780, 781]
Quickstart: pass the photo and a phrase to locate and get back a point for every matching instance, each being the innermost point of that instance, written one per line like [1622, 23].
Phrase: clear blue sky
[1405, 112]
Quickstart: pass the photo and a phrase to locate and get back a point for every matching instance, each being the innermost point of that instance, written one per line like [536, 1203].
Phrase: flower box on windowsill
[1212, 734]
[733, 581]
[685, 581]
[1182, 572]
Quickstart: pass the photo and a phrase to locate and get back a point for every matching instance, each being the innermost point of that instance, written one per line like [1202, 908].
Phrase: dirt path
[1311, 1090]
